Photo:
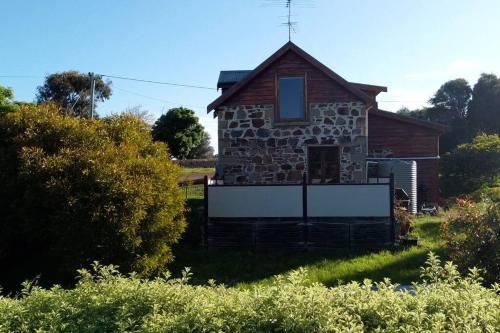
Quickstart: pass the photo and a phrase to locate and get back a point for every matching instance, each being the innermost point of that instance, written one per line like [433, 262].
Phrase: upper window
[291, 98]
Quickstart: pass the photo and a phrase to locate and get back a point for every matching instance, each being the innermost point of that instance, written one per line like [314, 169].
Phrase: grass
[244, 269]
[191, 171]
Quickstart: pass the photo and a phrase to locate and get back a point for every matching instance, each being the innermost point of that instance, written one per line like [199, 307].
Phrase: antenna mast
[291, 25]
[289, 5]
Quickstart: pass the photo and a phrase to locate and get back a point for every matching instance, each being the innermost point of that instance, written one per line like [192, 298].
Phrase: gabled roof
[407, 119]
[229, 78]
[285, 48]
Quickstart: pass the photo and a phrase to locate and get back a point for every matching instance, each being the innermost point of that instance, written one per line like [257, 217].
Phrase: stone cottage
[292, 115]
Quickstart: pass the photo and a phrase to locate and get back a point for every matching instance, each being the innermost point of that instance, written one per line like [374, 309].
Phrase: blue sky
[412, 47]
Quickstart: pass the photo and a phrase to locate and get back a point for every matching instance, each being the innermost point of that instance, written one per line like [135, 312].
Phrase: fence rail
[192, 191]
[299, 216]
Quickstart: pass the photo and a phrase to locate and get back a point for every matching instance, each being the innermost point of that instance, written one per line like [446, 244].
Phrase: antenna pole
[289, 24]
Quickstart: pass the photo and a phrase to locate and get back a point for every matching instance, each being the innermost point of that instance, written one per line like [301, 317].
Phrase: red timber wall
[408, 140]
[262, 89]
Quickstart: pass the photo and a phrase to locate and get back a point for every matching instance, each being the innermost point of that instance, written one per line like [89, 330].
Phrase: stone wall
[252, 149]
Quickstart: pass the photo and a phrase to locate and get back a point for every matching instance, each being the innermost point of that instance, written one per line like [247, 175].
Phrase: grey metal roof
[228, 78]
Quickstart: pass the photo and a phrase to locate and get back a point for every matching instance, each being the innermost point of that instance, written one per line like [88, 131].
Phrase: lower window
[323, 165]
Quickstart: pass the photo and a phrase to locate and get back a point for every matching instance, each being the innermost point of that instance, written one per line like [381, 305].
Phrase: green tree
[77, 190]
[471, 165]
[180, 129]
[71, 91]
[448, 107]
[449, 103]
[7, 103]
[484, 108]
[204, 149]
[418, 113]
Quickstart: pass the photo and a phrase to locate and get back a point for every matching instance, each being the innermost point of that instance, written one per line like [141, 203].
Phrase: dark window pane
[291, 97]
[323, 165]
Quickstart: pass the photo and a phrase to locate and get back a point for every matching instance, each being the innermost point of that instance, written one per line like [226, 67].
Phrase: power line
[120, 78]
[157, 82]
[156, 98]
[170, 84]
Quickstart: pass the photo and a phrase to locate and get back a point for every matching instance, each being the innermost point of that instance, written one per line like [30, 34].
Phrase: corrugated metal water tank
[405, 177]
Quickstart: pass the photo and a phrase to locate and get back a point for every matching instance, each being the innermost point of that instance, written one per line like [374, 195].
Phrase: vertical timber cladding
[253, 150]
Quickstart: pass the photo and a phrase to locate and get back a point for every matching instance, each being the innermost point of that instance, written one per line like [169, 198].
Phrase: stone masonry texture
[255, 150]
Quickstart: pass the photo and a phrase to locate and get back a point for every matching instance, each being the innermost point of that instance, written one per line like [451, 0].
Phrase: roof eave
[418, 122]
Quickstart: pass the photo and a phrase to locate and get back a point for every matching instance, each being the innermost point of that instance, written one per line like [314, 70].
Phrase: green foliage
[74, 190]
[7, 100]
[105, 301]
[448, 105]
[180, 130]
[466, 111]
[203, 150]
[472, 233]
[71, 91]
[484, 109]
[450, 102]
[471, 165]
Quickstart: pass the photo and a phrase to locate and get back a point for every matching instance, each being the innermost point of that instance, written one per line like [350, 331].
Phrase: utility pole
[92, 94]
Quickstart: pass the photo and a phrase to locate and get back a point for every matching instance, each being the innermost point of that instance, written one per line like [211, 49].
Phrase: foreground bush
[74, 190]
[472, 233]
[108, 302]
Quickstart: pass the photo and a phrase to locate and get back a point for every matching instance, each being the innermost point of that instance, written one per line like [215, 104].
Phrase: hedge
[76, 190]
[197, 163]
[105, 301]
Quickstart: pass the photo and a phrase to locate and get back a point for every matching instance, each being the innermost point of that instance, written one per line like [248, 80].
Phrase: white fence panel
[348, 200]
[255, 201]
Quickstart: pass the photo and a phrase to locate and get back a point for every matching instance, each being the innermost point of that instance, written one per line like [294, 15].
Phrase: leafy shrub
[106, 301]
[74, 190]
[404, 218]
[471, 165]
[472, 233]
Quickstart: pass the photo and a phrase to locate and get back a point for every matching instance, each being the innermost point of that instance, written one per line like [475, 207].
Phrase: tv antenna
[291, 25]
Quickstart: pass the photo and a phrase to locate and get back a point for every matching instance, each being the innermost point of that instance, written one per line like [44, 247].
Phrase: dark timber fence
[298, 216]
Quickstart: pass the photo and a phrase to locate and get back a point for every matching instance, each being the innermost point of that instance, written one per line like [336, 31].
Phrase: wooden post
[349, 235]
[391, 201]
[205, 211]
[304, 211]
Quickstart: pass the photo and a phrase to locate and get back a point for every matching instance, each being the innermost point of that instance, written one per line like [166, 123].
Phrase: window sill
[293, 123]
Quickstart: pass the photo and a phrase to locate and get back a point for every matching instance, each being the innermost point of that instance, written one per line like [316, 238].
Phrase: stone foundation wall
[252, 149]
